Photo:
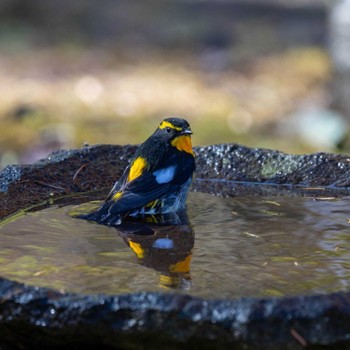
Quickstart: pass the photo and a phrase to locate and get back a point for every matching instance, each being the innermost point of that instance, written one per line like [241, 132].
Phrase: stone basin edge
[32, 317]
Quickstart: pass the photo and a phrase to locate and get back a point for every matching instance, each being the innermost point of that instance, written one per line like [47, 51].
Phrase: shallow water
[230, 247]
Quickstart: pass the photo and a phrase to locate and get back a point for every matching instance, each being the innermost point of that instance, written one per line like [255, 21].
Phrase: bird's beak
[187, 131]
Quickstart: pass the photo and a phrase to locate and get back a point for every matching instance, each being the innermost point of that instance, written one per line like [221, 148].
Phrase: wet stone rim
[32, 317]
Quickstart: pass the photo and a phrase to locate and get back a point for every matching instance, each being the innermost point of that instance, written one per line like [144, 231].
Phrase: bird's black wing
[149, 186]
[152, 185]
[141, 191]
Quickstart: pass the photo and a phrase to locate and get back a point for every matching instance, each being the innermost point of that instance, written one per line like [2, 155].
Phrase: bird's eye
[168, 130]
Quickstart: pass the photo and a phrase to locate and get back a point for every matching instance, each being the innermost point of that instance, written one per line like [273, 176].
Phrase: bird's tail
[103, 216]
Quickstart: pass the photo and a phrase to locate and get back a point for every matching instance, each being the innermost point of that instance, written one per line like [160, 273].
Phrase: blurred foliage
[108, 72]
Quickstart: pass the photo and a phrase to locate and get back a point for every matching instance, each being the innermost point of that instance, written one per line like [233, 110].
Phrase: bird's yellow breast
[183, 143]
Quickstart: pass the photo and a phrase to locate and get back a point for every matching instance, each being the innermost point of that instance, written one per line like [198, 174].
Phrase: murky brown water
[229, 248]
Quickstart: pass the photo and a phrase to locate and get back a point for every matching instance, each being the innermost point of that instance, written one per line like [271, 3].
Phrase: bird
[157, 179]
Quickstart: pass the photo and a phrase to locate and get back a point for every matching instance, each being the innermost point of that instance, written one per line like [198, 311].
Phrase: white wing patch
[165, 175]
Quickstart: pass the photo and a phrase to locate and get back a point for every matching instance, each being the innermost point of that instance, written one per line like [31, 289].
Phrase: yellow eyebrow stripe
[137, 167]
[164, 124]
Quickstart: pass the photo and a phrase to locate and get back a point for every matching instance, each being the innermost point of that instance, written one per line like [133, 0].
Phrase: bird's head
[174, 127]
[178, 132]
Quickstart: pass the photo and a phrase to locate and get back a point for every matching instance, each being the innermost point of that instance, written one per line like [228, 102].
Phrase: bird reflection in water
[163, 243]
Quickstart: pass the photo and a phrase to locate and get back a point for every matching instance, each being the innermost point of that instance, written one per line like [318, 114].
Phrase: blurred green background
[107, 71]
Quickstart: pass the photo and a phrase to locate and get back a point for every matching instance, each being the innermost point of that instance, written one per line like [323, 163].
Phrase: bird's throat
[183, 143]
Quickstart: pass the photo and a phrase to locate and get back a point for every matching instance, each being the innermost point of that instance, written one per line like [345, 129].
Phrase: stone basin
[33, 317]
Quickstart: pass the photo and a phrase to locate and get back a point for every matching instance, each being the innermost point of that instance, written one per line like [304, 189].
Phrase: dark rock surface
[62, 173]
[234, 162]
[33, 318]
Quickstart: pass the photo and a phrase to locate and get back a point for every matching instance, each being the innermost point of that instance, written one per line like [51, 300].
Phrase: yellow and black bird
[157, 179]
